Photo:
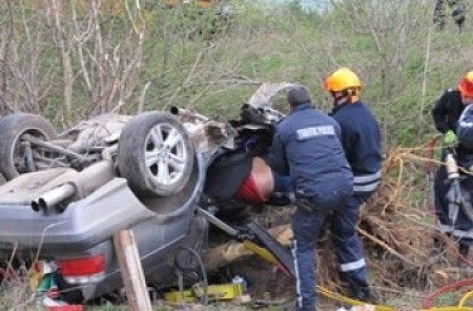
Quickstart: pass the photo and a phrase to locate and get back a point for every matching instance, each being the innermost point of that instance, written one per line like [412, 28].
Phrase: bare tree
[393, 33]
[94, 68]
[23, 78]
[64, 52]
[108, 64]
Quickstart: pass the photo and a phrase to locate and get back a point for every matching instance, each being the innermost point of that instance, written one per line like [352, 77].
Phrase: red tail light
[83, 270]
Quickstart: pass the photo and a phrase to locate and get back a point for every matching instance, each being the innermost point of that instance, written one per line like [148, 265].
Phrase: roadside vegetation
[70, 60]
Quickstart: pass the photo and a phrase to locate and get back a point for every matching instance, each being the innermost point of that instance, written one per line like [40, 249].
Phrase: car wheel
[155, 154]
[13, 155]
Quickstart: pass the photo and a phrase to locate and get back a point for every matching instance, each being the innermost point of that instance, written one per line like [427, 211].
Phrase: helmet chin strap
[345, 97]
[341, 99]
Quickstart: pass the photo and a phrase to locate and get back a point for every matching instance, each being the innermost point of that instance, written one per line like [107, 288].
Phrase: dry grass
[397, 226]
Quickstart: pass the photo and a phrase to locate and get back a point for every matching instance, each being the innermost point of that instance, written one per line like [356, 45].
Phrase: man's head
[298, 94]
[465, 86]
[344, 85]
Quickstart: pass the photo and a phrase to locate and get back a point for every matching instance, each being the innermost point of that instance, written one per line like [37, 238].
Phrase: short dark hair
[298, 94]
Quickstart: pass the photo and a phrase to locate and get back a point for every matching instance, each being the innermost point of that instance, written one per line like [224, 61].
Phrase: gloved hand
[450, 138]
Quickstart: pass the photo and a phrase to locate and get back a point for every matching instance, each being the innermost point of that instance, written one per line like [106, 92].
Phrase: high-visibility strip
[455, 232]
[366, 183]
[297, 275]
[366, 188]
[354, 265]
[362, 179]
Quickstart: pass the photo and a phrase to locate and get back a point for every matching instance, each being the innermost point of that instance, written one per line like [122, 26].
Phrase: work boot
[364, 294]
[293, 307]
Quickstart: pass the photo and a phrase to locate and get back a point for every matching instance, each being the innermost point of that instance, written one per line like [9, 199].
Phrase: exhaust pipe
[78, 187]
[53, 197]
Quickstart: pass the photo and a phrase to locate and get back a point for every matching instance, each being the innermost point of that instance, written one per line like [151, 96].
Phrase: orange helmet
[342, 79]
[465, 86]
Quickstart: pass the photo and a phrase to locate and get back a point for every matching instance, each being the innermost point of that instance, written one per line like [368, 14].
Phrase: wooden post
[131, 271]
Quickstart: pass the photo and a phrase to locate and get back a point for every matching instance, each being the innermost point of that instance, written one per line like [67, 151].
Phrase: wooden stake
[131, 271]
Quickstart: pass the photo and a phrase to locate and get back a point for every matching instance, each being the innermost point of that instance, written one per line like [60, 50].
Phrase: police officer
[361, 140]
[307, 147]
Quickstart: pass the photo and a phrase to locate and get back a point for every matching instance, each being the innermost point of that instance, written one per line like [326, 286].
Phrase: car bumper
[82, 225]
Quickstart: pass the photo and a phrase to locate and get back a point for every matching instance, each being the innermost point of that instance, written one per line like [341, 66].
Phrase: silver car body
[100, 205]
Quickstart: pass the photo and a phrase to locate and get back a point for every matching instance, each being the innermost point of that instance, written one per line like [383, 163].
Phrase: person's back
[448, 108]
[307, 147]
[318, 165]
[361, 138]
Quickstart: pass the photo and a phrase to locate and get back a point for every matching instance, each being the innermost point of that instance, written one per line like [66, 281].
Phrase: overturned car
[65, 195]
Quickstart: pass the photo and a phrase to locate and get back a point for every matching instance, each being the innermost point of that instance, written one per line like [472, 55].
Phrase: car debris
[66, 194]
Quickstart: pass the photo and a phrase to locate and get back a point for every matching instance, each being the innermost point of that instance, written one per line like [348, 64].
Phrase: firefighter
[307, 147]
[361, 141]
[448, 110]
[458, 13]
[449, 107]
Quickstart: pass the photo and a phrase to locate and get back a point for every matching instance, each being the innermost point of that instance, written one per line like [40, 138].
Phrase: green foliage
[194, 58]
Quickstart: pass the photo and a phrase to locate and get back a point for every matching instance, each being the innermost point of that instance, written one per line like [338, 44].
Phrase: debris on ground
[397, 227]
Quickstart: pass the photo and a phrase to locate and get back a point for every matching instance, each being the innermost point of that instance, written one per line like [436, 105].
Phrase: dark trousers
[348, 247]
[307, 226]
[462, 229]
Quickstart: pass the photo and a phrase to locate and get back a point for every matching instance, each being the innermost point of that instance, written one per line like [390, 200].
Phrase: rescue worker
[361, 140]
[449, 107]
[458, 13]
[446, 114]
[307, 148]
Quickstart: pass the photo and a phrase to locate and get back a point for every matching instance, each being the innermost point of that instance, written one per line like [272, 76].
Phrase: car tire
[12, 128]
[155, 154]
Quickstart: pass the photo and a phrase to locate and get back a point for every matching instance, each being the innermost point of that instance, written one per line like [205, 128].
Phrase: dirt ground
[396, 281]
[264, 281]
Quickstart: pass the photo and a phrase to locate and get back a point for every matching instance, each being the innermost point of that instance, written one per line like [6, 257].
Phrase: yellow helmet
[342, 79]
[465, 86]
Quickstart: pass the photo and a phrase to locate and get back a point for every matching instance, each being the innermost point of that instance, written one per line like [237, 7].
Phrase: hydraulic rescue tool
[258, 240]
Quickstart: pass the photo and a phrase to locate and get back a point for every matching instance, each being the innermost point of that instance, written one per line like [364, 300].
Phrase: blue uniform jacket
[361, 140]
[306, 147]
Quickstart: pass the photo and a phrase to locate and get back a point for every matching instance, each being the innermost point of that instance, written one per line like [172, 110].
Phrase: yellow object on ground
[214, 292]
